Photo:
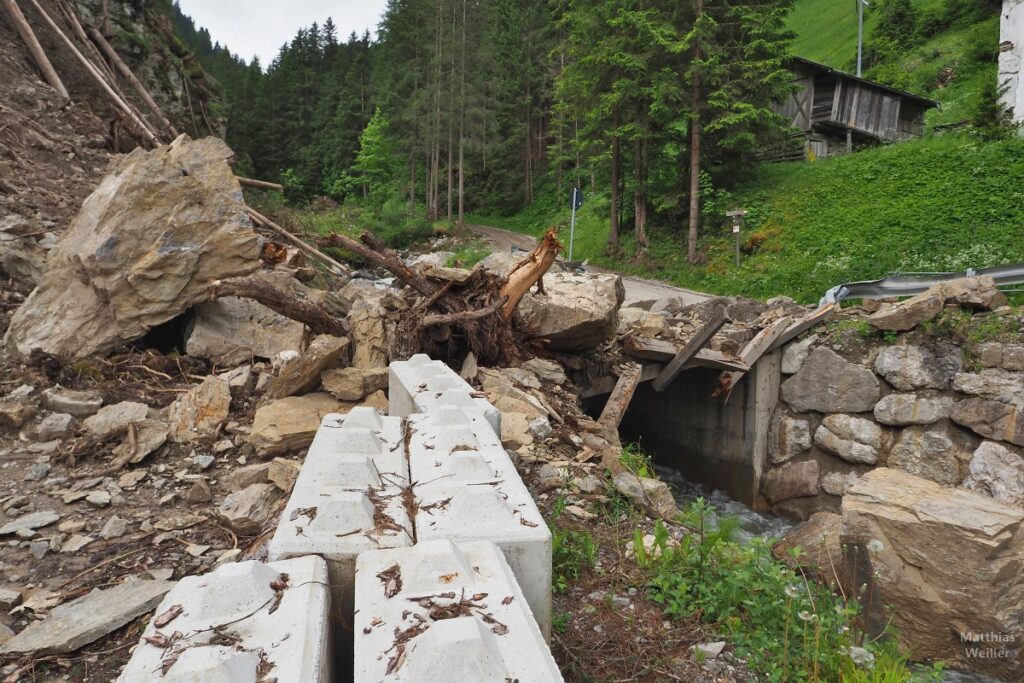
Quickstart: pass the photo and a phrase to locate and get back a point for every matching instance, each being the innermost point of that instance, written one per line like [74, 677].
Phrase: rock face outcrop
[576, 312]
[827, 383]
[147, 243]
[948, 563]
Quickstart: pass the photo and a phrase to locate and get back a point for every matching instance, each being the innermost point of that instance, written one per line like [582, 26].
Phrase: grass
[942, 203]
[948, 65]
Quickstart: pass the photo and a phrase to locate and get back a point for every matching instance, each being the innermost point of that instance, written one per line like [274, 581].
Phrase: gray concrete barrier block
[348, 497]
[467, 489]
[244, 622]
[445, 612]
[420, 385]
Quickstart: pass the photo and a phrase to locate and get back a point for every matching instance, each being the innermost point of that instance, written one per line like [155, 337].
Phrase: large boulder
[991, 419]
[787, 437]
[827, 383]
[852, 438]
[230, 331]
[947, 562]
[992, 383]
[818, 542]
[909, 367]
[576, 312]
[289, 424]
[908, 314]
[979, 293]
[939, 453]
[792, 480]
[146, 245]
[198, 415]
[303, 374]
[369, 334]
[998, 472]
[912, 409]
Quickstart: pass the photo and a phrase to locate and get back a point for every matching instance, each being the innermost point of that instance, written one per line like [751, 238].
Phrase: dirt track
[637, 289]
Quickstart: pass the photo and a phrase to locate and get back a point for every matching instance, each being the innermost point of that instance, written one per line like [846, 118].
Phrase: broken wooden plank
[803, 324]
[690, 349]
[707, 358]
[755, 348]
[605, 385]
[649, 348]
[622, 394]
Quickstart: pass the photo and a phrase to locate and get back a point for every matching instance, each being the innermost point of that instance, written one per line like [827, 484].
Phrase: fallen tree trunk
[34, 48]
[259, 184]
[119, 64]
[262, 220]
[313, 316]
[529, 271]
[142, 129]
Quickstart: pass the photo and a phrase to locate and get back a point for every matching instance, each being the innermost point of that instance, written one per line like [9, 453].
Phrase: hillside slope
[951, 51]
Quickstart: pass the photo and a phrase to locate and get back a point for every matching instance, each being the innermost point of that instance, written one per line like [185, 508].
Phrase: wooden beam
[755, 348]
[706, 358]
[690, 349]
[649, 348]
[260, 184]
[803, 324]
[34, 48]
[622, 394]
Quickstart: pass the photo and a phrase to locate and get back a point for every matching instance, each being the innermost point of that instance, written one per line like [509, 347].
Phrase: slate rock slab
[87, 619]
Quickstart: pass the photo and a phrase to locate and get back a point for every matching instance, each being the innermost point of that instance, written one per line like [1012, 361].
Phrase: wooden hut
[828, 104]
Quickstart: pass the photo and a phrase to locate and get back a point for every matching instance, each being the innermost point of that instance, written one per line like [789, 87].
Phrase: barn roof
[824, 68]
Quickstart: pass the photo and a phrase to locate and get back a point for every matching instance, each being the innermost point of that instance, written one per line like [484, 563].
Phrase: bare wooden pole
[145, 133]
[260, 219]
[259, 184]
[115, 59]
[32, 43]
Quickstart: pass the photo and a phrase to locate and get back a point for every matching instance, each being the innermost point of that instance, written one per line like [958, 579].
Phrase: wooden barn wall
[871, 111]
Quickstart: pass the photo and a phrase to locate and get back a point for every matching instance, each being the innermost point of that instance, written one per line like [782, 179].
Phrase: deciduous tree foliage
[482, 105]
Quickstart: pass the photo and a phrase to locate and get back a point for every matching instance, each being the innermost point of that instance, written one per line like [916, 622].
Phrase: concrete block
[467, 489]
[420, 385]
[275, 625]
[348, 497]
[443, 612]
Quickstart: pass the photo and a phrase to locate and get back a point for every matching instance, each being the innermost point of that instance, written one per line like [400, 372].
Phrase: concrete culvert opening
[713, 441]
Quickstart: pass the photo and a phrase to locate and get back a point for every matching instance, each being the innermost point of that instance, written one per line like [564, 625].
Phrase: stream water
[753, 524]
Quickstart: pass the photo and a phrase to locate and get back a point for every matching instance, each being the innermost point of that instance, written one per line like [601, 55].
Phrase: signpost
[576, 201]
[737, 223]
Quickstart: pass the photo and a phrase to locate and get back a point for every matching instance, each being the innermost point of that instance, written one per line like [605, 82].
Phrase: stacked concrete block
[244, 622]
[420, 385]
[467, 489]
[443, 611]
[348, 498]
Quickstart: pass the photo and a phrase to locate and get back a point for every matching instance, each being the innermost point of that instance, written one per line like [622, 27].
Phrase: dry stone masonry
[911, 450]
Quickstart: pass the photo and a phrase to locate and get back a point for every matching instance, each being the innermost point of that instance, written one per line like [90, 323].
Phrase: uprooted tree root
[475, 315]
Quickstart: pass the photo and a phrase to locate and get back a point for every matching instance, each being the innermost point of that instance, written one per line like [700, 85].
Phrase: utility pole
[860, 60]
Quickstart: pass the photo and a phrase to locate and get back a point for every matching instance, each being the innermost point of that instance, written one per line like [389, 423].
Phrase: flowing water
[753, 524]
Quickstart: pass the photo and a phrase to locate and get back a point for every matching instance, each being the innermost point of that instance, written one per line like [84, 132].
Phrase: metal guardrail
[908, 284]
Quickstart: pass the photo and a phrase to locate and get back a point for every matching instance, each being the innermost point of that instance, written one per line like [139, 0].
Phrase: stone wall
[944, 412]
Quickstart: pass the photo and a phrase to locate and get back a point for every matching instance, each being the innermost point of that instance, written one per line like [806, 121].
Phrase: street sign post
[576, 201]
[737, 223]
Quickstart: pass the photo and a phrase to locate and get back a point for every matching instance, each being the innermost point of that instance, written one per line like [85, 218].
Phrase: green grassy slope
[945, 203]
[948, 64]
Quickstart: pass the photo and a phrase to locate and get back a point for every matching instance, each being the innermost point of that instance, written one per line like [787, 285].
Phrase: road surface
[637, 289]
